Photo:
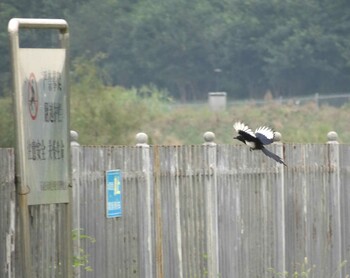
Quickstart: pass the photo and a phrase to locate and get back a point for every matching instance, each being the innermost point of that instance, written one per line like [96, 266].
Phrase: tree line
[190, 48]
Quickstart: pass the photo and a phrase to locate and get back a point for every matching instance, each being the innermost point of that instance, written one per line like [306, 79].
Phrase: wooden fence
[200, 211]
[46, 229]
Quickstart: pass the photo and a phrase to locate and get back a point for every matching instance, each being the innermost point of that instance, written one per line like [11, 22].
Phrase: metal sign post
[41, 101]
[42, 109]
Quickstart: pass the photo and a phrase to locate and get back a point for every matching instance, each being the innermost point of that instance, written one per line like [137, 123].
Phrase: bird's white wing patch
[266, 131]
[241, 126]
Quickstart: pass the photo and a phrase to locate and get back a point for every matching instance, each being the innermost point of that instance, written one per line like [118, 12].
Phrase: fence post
[334, 201]
[75, 150]
[145, 205]
[212, 206]
[280, 249]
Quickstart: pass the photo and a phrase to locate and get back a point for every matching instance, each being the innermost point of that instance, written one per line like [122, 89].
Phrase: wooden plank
[7, 212]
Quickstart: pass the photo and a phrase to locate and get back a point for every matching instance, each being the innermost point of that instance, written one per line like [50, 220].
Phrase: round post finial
[141, 139]
[277, 137]
[74, 138]
[332, 137]
[209, 138]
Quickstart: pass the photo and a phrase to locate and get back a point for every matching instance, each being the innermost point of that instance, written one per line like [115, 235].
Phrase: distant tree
[168, 38]
[286, 46]
[27, 9]
[7, 123]
[307, 48]
[7, 11]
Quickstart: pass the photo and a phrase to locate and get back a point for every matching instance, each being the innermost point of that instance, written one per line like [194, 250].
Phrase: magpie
[256, 140]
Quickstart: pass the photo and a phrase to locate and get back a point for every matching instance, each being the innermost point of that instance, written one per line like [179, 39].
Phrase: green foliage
[7, 11]
[287, 46]
[111, 115]
[106, 115]
[298, 124]
[39, 38]
[81, 259]
[7, 123]
[305, 270]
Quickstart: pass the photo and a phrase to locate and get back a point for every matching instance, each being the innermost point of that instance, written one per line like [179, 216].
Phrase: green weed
[82, 258]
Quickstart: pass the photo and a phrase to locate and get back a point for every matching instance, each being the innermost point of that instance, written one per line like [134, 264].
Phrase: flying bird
[256, 140]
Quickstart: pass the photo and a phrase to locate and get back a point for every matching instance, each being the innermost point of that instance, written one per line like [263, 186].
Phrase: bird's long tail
[273, 156]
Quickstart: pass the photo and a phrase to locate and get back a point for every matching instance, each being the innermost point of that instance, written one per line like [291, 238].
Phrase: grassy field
[116, 115]
[297, 124]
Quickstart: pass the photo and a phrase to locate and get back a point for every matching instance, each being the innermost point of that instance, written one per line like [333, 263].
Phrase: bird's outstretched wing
[244, 130]
[273, 156]
[265, 135]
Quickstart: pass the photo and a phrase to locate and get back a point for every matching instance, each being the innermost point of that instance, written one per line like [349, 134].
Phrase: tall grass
[113, 115]
[297, 124]
[104, 115]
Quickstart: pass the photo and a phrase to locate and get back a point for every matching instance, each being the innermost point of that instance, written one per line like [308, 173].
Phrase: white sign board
[43, 96]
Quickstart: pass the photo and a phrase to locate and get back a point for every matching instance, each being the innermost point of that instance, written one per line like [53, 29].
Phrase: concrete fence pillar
[145, 208]
[334, 201]
[280, 249]
[211, 213]
[75, 151]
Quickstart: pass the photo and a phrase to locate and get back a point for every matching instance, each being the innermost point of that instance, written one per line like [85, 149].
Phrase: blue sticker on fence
[113, 193]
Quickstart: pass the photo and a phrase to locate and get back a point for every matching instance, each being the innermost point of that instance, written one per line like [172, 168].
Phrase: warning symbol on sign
[33, 97]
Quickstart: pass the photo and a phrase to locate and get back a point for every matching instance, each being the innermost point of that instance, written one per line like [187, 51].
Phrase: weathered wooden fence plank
[170, 192]
[344, 162]
[7, 213]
